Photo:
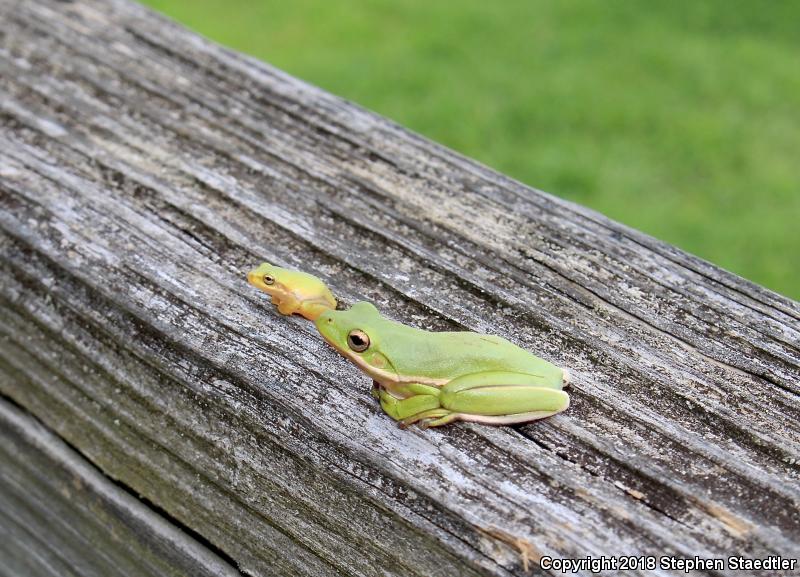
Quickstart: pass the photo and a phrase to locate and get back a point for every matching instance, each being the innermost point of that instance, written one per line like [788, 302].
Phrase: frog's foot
[376, 390]
[424, 417]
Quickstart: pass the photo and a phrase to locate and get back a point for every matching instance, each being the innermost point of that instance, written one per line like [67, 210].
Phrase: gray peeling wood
[143, 170]
[60, 517]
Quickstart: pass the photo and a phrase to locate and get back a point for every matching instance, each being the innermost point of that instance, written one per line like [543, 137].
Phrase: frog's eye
[358, 340]
[268, 279]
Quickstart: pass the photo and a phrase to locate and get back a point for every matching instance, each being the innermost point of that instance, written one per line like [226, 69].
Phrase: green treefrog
[434, 378]
[294, 292]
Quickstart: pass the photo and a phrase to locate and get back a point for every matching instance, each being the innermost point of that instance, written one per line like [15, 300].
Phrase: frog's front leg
[494, 398]
[286, 305]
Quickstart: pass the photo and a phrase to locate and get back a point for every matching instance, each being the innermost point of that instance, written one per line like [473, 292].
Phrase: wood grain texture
[60, 517]
[144, 170]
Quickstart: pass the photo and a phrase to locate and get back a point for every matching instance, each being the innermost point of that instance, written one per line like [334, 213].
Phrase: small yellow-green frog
[294, 292]
[436, 378]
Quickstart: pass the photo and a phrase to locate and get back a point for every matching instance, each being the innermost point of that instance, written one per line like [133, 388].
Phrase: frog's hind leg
[496, 398]
[400, 409]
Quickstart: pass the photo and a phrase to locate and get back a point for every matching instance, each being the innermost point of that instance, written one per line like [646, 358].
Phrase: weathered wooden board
[143, 170]
[59, 516]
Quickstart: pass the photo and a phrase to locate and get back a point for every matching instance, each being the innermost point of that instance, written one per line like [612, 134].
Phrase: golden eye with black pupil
[358, 340]
[268, 279]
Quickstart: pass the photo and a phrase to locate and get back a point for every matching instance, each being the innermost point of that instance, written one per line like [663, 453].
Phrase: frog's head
[355, 333]
[283, 283]
[294, 291]
[268, 278]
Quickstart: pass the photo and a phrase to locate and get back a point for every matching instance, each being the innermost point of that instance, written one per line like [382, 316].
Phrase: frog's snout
[256, 279]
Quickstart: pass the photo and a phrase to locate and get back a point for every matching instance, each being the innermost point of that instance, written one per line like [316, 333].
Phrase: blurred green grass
[679, 119]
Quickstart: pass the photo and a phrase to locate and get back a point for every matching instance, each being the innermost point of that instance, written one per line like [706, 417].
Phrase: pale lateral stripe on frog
[383, 376]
